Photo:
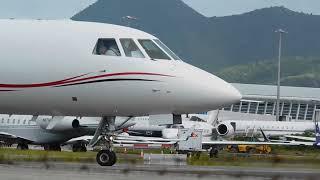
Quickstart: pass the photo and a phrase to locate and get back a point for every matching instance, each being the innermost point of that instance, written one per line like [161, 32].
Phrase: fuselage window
[131, 49]
[107, 47]
[153, 50]
[164, 47]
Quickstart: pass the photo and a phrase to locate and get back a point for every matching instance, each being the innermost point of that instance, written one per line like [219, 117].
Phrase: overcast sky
[59, 9]
[45, 9]
[229, 7]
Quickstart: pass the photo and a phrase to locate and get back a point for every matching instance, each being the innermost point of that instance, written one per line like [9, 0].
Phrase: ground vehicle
[261, 149]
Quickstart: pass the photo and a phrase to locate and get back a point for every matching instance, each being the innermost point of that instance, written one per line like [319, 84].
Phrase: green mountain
[295, 71]
[251, 36]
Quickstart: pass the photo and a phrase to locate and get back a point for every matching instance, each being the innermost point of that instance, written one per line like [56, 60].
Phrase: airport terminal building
[296, 103]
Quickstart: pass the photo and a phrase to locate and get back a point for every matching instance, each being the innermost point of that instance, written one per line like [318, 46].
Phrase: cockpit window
[153, 50]
[165, 48]
[107, 47]
[131, 49]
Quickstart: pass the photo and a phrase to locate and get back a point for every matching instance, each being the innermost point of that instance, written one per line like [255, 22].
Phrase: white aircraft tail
[213, 117]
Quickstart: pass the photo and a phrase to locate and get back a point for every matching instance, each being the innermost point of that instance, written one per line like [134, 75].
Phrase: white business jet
[68, 68]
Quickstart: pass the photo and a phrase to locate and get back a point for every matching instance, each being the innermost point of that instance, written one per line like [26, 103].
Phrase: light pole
[280, 31]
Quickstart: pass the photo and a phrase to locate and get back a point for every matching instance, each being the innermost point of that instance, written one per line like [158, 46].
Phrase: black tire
[214, 153]
[114, 157]
[26, 147]
[58, 148]
[106, 158]
[79, 147]
[22, 147]
[19, 147]
[74, 148]
[83, 149]
[55, 147]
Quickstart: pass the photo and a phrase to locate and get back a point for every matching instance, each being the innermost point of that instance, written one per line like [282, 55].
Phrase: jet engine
[225, 130]
[58, 123]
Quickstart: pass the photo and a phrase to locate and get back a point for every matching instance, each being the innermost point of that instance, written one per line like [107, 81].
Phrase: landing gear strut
[106, 128]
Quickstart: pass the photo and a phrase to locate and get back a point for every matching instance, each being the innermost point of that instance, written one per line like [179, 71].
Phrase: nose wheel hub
[106, 158]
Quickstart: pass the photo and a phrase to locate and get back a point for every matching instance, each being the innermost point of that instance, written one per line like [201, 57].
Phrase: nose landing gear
[106, 128]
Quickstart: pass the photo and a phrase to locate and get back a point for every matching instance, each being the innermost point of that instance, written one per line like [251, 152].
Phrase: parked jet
[145, 126]
[68, 68]
[270, 128]
[50, 132]
[212, 126]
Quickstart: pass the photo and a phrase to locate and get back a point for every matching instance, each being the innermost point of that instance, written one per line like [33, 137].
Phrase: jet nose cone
[220, 93]
[202, 91]
[231, 94]
[211, 92]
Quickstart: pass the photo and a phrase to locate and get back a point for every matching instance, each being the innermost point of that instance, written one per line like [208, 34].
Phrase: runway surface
[75, 171]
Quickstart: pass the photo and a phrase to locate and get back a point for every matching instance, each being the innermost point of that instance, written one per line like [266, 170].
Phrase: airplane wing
[142, 142]
[141, 138]
[7, 136]
[290, 143]
[85, 139]
[122, 139]
[301, 138]
[173, 141]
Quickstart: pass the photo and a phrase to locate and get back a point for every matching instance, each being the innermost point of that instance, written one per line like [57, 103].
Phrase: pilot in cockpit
[108, 47]
[112, 50]
[102, 49]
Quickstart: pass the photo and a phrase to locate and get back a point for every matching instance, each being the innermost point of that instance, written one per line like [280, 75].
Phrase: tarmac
[92, 171]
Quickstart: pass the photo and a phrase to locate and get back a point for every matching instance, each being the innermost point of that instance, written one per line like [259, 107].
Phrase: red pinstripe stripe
[74, 79]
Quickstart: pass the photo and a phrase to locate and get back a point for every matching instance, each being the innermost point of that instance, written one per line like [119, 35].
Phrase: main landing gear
[106, 128]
